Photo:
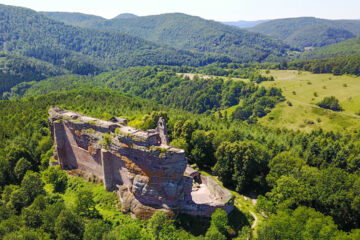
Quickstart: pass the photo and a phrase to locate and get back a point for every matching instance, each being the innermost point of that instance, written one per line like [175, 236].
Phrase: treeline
[336, 65]
[163, 85]
[197, 95]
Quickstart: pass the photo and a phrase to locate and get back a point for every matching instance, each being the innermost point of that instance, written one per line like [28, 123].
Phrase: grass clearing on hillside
[303, 90]
[192, 75]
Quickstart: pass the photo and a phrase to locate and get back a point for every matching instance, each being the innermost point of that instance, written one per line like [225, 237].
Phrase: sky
[220, 10]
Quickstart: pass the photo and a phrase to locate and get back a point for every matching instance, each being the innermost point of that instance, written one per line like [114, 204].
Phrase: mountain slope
[125, 16]
[81, 19]
[32, 34]
[349, 47]
[15, 69]
[309, 31]
[245, 24]
[194, 33]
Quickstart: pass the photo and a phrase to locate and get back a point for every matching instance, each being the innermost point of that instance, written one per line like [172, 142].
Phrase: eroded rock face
[146, 171]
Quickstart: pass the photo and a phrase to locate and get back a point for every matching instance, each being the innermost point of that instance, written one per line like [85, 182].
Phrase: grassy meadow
[303, 90]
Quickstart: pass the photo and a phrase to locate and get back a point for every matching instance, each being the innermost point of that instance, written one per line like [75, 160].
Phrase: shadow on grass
[237, 220]
[196, 225]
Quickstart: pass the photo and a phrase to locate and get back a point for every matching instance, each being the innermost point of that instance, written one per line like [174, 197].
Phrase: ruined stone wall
[148, 173]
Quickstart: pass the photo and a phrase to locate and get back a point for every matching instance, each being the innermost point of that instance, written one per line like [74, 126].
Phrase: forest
[277, 162]
[214, 84]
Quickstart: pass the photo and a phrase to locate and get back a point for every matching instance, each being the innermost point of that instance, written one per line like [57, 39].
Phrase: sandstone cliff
[148, 174]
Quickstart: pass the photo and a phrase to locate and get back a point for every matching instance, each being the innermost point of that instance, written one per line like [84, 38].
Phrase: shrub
[331, 103]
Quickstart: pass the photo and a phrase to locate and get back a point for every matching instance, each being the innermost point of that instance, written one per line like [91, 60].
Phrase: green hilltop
[309, 31]
[193, 33]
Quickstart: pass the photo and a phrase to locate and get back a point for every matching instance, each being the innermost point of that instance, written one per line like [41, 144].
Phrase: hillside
[349, 47]
[15, 69]
[125, 16]
[309, 31]
[83, 50]
[81, 19]
[245, 24]
[304, 90]
[194, 33]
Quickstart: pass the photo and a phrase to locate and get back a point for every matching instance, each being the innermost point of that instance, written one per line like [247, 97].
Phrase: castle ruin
[147, 173]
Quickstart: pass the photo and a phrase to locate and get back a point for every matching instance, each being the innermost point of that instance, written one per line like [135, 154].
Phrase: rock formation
[148, 174]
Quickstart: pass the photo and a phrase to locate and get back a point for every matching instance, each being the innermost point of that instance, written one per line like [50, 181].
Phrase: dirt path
[255, 219]
[253, 214]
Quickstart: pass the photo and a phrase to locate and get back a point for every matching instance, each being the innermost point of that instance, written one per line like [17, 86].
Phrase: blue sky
[221, 10]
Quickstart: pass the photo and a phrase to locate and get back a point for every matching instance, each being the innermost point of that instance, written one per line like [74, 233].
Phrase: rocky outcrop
[147, 173]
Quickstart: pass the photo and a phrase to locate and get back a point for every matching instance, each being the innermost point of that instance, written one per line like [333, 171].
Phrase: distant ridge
[82, 50]
[309, 31]
[193, 33]
[246, 24]
[81, 19]
[125, 16]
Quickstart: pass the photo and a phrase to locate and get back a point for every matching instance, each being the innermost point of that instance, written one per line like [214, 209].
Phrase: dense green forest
[81, 50]
[294, 170]
[310, 32]
[191, 33]
[348, 47]
[15, 69]
[206, 78]
[340, 65]
[163, 85]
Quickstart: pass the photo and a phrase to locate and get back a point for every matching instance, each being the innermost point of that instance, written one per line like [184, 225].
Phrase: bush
[55, 176]
[331, 103]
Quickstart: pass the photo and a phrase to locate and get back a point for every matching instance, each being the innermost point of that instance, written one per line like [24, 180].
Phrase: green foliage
[258, 78]
[55, 176]
[22, 166]
[283, 164]
[106, 140]
[32, 185]
[345, 48]
[219, 220]
[15, 69]
[202, 149]
[331, 103]
[150, 121]
[303, 223]
[241, 165]
[214, 234]
[263, 205]
[96, 229]
[85, 204]
[339, 65]
[18, 199]
[68, 226]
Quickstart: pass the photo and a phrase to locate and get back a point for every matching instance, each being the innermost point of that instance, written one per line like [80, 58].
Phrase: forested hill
[349, 47]
[194, 33]
[310, 32]
[32, 34]
[246, 24]
[15, 69]
[81, 19]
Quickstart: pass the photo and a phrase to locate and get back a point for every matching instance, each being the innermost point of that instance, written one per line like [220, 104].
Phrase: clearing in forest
[303, 90]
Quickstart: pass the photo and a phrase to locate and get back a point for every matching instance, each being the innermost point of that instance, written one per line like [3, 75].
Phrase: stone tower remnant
[147, 173]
